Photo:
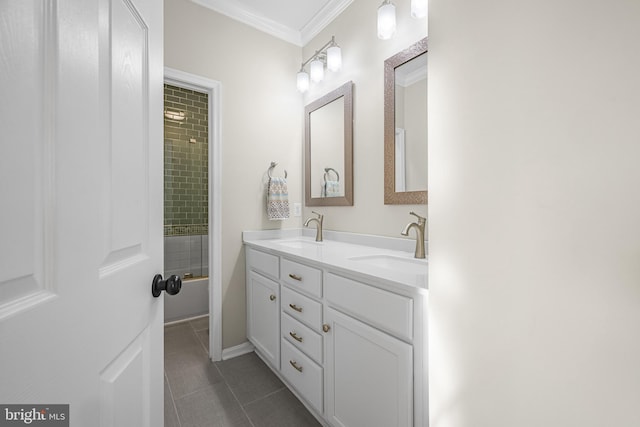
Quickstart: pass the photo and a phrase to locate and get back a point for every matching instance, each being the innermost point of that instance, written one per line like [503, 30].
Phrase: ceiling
[296, 21]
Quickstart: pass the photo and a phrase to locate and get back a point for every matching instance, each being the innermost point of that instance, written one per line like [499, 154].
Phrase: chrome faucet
[318, 226]
[419, 234]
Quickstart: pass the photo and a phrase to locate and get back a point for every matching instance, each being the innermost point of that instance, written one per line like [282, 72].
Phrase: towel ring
[273, 165]
[326, 172]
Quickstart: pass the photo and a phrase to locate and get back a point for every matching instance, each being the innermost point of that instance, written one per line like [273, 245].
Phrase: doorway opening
[192, 201]
[186, 226]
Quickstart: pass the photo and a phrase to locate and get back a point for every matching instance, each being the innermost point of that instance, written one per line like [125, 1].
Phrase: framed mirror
[405, 126]
[328, 165]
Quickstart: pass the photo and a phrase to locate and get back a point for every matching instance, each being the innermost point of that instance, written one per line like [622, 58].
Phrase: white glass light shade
[418, 8]
[386, 20]
[334, 58]
[317, 70]
[302, 81]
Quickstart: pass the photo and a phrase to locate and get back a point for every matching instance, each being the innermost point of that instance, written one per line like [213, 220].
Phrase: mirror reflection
[329, 149]
[405, 126]
[327, 154]
[411, 125]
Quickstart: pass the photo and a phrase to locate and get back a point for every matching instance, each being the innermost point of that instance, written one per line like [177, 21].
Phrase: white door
[81, 208]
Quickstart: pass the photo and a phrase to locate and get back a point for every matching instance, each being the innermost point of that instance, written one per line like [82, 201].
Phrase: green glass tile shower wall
[186, 197]
[185, 162]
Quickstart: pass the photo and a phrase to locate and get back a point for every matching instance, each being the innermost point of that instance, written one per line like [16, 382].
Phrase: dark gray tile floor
[239, 392]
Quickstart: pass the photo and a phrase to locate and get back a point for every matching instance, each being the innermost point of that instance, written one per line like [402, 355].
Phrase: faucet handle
[320, 216]
[421, 219]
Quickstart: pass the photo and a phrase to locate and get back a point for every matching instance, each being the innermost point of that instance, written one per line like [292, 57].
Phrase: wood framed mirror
[405, 126]
[328, 164]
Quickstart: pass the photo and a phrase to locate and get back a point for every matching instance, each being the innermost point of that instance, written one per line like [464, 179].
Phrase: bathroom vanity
[342, 322]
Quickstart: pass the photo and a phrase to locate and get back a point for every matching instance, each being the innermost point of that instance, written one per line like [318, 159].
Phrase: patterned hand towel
[331, 189]
[277, 199]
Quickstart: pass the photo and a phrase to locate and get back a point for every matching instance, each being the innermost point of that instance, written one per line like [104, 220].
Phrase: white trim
[214, 90]
[323, 18]
[238, 350]
[292, 35]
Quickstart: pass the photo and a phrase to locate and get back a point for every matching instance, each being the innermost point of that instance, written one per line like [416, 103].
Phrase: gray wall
[534, 208]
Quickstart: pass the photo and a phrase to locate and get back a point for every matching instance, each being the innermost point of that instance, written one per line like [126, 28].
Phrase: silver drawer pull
[296, 308]
[295, 365]
[295, 277]
[295, 336]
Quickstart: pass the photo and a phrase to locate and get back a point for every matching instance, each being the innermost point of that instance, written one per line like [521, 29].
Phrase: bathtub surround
[186, 182]
[186, 256]
[193, 301]
[186, 201]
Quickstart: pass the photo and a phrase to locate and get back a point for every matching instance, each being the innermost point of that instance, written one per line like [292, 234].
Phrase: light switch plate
[297, 209]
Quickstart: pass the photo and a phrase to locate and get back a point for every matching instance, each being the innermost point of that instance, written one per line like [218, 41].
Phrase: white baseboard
[238, 350]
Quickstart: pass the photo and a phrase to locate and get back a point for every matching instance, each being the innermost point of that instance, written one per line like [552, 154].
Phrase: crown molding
[299, 38]
[323, 18]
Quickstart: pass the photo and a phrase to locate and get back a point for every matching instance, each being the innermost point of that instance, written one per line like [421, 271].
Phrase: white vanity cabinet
[263, 305]
[369, 373]
[351, 345]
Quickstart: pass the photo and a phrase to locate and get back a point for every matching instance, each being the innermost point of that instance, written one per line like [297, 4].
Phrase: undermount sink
[297, 243]
[391, 262]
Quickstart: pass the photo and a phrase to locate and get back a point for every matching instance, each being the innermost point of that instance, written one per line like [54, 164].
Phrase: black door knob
[172, 285]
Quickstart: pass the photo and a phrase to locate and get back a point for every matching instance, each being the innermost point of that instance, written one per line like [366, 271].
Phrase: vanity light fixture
[330, 54]
[302, 80]
[386, 20]
[334, 57]
[419, 8]
[316, 70]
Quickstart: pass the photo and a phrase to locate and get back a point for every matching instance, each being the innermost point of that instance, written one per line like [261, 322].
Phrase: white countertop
[375, 257]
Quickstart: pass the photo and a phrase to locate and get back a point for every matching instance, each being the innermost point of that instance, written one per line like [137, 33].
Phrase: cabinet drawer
[263, 262]
[385, 310]
[303, 374]
[301, 308]
[303, 338]
[306, 279]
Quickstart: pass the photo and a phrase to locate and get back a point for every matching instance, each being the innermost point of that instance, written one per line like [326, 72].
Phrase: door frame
[213, 88]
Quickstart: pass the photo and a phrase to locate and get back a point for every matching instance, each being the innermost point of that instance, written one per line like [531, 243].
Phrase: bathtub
[192, 301]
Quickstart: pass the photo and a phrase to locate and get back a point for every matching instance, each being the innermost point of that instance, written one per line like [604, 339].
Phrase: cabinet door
[369, 379]
[263, 316]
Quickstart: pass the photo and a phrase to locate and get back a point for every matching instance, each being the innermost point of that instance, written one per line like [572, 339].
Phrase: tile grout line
[195, 331]
[173, 401]
[235, 397]
[266, 395]
[241, 406]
